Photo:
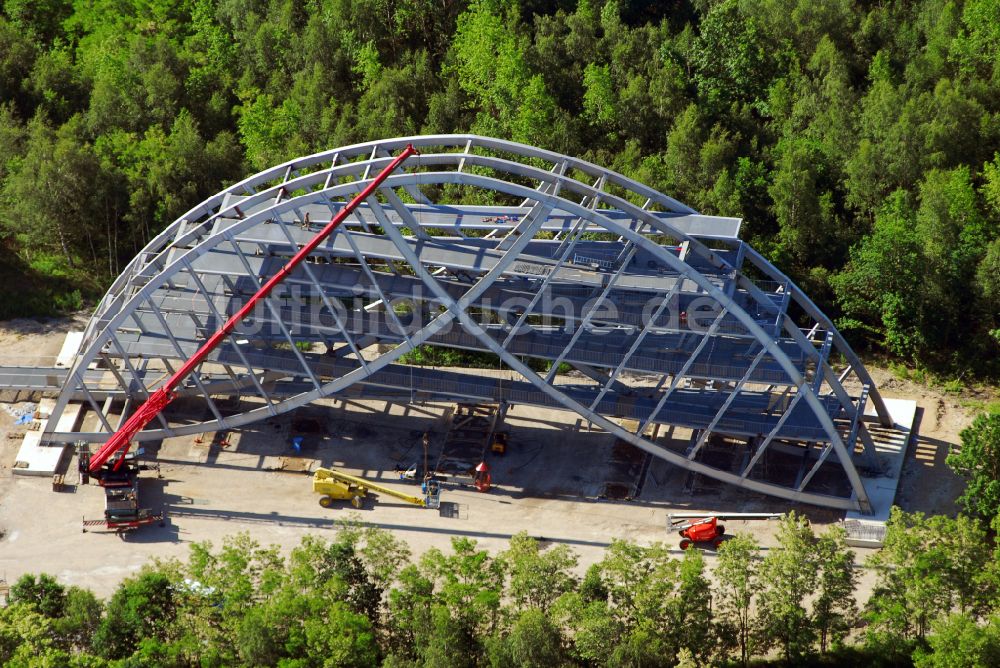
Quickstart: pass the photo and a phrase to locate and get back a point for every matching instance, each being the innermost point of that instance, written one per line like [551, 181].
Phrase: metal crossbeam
[774, 432]
[683, 372]
[725, 406]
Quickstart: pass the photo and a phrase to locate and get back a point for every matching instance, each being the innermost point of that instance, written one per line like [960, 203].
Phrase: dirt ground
[927, 484]
[29, 342]
[549, 484]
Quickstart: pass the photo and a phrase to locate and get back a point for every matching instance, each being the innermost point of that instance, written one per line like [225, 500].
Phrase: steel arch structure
[536, 259]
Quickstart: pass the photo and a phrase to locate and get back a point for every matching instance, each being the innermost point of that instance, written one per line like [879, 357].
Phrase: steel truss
[539, 259]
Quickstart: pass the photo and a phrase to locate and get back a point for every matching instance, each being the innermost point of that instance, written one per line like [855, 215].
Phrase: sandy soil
[548, 483]
[29, 342]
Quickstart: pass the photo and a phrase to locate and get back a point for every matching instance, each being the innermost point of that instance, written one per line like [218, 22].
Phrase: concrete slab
[890, 445]
[70, 415]
[70, 347]
[36, 459]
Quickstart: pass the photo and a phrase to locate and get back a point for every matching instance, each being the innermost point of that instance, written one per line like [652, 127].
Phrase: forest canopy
[860, 141]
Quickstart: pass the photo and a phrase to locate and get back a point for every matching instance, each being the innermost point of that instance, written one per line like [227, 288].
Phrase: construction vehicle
[111, 465]
[478, 477]
[706, 531]
[499, 445]
[120, 480]
[336, 485]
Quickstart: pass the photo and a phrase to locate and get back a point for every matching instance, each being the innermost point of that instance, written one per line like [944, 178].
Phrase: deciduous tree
[737, 577]
[977, 460]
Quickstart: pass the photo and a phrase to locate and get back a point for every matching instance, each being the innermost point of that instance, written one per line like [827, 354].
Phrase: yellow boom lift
[336, 485]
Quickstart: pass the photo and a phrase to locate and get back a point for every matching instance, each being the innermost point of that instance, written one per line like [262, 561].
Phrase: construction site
[557, 349]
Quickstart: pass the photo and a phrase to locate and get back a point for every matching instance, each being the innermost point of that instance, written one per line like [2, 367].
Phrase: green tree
[55, 84]
[58, 171]
[737, 575]
[834, 609]
[988, 277]
[43, 593]
[490, 63]
[143, 607]
[275, 629]
[977, 460]
[17, 56]
[788, 577]
[395, 104]
[732, 59]
[25, 635]
[81, 617]
[533, 642]
[806, 212]
[269, 130]
[410, 618]
[591, 625]
[315, 563]
[927, 568]
[958, 640]
[599, 99]
[880, 289]
[468, 585]
[691, 617]
[41, 20]
[537, 577]
[340, 637]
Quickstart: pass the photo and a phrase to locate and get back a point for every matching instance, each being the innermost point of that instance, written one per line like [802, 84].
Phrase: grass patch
[439, 356]
[953, 386]
[428, 355]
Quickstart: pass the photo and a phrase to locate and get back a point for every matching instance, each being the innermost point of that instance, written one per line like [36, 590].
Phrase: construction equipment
[478, 477]
[482, 478]
[120, 480]
[499, 445]
[476, 429]
[336, 485]
[706, 531]
[121, 440]
[694, 528]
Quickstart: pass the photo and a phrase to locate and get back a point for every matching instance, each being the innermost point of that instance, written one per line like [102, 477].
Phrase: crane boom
[120, 441]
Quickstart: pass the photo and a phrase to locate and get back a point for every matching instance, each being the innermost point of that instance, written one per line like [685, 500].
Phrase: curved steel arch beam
[839, 342]
[515, 189]
[212, 207]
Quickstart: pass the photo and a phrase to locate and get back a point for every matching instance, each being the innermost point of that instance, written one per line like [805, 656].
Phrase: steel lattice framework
[538, 259]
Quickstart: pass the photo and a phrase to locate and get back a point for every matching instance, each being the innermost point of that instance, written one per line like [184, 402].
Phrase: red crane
[121, 440]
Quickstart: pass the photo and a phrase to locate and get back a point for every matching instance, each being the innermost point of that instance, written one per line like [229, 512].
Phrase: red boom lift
[102, 466]
[706, 531]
